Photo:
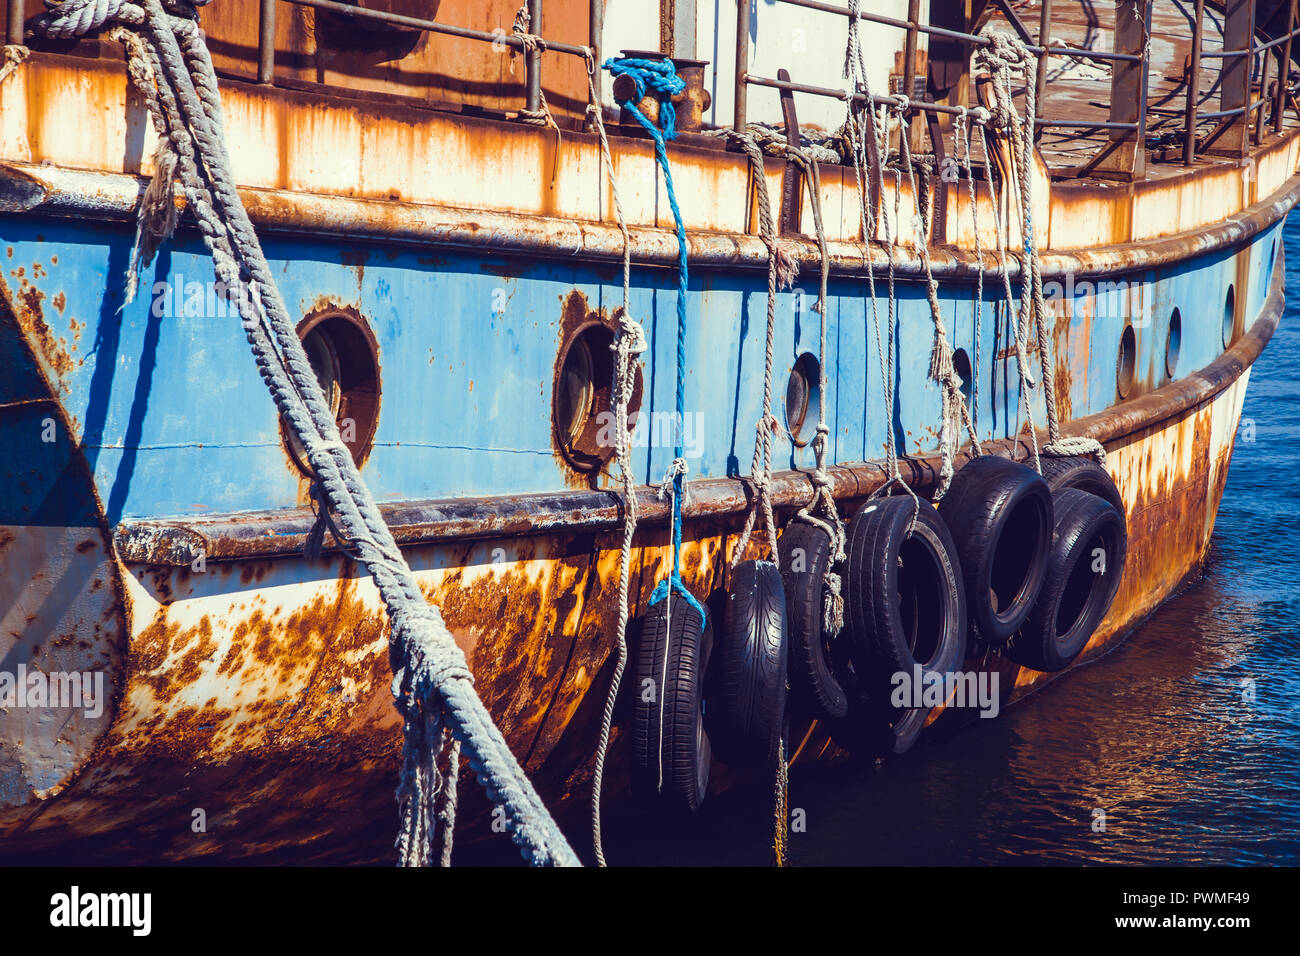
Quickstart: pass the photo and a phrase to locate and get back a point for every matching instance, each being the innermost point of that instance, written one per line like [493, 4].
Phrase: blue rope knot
[660, 78]
[675, 582]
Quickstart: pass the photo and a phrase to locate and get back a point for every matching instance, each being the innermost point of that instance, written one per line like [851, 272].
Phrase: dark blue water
[1159, 735]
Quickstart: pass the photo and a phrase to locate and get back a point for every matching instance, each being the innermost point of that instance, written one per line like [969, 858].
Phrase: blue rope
[660, 77]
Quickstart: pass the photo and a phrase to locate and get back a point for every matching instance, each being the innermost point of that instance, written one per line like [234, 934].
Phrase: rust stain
[32, 320]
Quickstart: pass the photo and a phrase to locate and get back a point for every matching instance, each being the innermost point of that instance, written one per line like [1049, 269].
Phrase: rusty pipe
[1040, 94]
[1194, 86]
[266, 43]
[909, 48]
[1284, 70]
[533, 60]
[595, 38]
[742, 65]
[17, 16]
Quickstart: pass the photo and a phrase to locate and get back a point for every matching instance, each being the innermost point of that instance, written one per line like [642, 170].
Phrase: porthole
[345, 357]
[1174, 343]
[1127, 362]
[574, 392]
[803, 399]
[581, 407]
[1229, 317]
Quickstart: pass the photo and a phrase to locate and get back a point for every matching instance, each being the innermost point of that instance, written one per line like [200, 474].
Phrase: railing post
[1124, 156]
[909, 71]
[1234, 78]
[1194, 87]
[1044, 27]
[1256, 120]
[533, 60]
[266, 43]
[595, 37]
[742, 65]
[14, 33]
[909, 49]
[1284, 71]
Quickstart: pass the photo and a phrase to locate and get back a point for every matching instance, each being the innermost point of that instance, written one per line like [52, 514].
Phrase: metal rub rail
[46, 190]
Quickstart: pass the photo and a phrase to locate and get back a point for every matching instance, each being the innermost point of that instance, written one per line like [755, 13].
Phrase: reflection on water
[1161, 735]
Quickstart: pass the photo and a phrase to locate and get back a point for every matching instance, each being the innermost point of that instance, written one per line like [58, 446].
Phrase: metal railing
[1249, 111]
[1124, 153]
[914, 28]
[533, 57]
[1240, 120]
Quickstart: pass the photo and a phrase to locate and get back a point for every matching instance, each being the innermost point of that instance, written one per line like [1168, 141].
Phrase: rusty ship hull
[153, 516]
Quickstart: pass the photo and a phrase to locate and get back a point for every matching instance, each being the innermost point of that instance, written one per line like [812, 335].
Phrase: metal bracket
[792, 177]
[939, 212]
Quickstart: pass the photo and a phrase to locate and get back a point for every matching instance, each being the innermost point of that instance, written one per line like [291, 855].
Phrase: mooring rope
[629, 344]
[1017, 325]
[1006, 55]
[781, 808]
[821, 510]
[781, 273]
[660, 77]
[954, 411]
[882, 230]
[432, 685]
[961, 133]
[533, 43]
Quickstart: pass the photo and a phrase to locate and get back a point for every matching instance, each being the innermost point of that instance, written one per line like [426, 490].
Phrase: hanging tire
[672, 657]
[805, 557]
[904, 607]
[1089, 547]
[1084, 473]
[999, 513]
[752, 666]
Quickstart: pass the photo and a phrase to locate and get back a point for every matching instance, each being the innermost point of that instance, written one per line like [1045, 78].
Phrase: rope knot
[1005, 51]
[667, 488]
[521, 28]
[631, 337]
[13, 56]
[658, 77]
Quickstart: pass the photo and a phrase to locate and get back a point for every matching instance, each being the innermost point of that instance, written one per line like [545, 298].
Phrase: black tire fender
[752, 665]
[805, 556]
[904, 606]
[1089, 548]
[999, 513]
[671, 659]
[1086, 474]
